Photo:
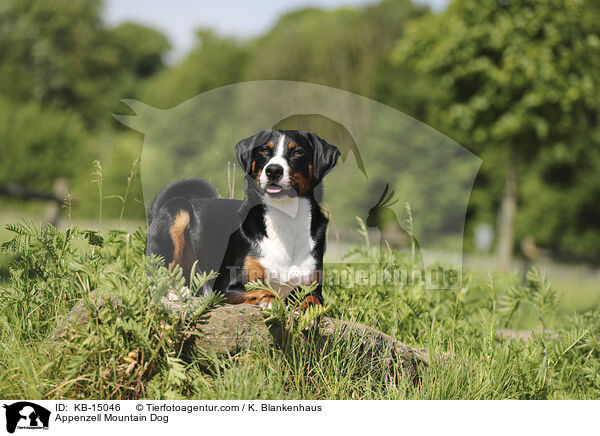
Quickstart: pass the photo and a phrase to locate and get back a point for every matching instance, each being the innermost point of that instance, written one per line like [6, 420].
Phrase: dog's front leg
[259, 297]
[313, 299]
[308, 301]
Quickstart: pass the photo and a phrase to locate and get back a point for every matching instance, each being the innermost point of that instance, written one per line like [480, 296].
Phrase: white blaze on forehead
[280, 147]
[287, 205]
[278, 156]
[277, 159]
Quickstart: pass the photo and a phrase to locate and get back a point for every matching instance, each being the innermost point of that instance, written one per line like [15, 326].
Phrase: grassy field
[136, 350]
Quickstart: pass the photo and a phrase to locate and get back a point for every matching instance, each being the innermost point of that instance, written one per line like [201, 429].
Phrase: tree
[39, 144]
[214, 62]
[62, 71]
[141, 48]
[61, 54]
[342, 48]
[518, 79]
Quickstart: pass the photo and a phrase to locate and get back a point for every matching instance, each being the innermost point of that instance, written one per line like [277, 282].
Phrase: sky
[179, 18]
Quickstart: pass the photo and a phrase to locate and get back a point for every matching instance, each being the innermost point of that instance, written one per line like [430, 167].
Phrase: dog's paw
[183, 294]
[306, 303]
[261, 298]
[313, 325]
[266, 303]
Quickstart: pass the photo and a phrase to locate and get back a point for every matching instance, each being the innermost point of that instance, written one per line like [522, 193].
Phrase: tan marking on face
[270, 144]
[291, 145]
[303, 183]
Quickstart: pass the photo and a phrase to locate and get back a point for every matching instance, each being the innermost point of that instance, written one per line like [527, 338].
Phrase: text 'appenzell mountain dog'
[276, 235]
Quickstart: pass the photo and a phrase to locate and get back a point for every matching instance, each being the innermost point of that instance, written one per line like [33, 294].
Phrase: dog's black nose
[274, 172]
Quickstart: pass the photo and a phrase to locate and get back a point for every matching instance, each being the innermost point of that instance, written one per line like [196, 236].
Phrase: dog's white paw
[266, 304]
[311, 326]
[183, 294]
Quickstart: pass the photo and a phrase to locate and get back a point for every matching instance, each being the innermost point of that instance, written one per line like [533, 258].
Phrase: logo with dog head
[429, 177]
[26, 415]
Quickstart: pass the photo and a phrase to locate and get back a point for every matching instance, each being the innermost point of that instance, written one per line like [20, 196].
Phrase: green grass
[134, 349]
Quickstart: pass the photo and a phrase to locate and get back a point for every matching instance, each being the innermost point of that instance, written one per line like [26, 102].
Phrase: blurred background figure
[483, 237]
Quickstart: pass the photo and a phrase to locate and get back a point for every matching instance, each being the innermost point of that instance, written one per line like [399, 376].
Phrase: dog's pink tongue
[273, 189]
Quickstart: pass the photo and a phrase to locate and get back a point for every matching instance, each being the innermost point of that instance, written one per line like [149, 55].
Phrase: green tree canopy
[516, 78]
[341, 48]
[214, 62]
[62, 72]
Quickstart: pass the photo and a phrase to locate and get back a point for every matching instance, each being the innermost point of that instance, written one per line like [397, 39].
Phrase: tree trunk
[54, 209]
[507, 213]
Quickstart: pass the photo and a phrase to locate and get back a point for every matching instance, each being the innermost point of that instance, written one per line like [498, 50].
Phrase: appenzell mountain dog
[276, 234]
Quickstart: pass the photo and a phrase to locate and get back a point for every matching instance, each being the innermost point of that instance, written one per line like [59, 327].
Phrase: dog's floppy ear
[243, 149]
[325, 156]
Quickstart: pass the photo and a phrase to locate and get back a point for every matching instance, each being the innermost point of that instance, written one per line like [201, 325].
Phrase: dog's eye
[298, 153]
[264, 151]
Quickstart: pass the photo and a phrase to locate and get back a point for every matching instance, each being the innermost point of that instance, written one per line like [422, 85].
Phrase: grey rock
[230, 329]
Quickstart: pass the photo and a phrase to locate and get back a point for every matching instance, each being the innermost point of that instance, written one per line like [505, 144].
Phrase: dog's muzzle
[274, 174]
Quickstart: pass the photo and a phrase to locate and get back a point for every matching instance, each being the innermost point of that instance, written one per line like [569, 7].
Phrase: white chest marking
[286, 250]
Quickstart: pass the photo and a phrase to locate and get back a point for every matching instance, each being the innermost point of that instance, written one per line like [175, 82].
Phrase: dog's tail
[186, 188]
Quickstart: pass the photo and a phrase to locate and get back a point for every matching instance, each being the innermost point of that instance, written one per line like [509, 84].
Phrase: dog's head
[286, 163]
